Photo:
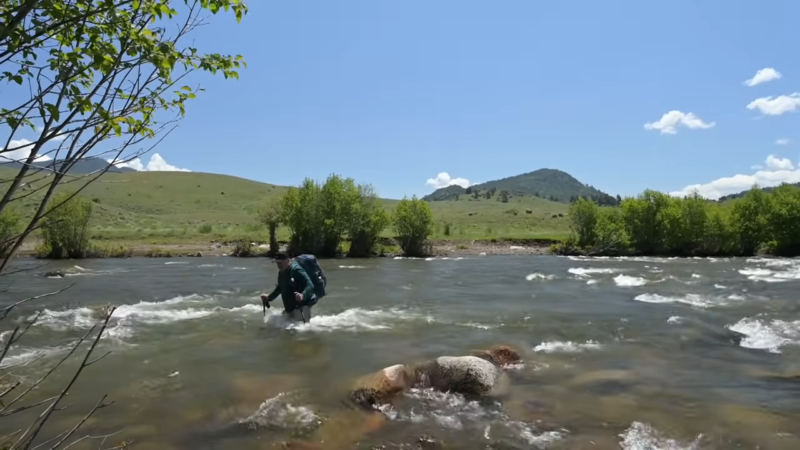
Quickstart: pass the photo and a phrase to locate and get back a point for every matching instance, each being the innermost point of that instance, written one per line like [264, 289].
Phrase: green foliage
[270, 214]
[110, 251]
[656, 224]
[321, 217]
[79, 73]
[369, 220]
[9, 230]
[157, 252]
[65, 231]
[65, 228]
[90, 49]
[749, 215]
[609, 231]
[413, 223]
[583, 221]
[644, 220]
[783, 218]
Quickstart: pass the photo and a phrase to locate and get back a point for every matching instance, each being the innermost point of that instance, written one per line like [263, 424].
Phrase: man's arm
[308, 290]
[274, 294]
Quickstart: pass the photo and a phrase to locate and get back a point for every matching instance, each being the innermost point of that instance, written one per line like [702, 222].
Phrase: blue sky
[394, 93]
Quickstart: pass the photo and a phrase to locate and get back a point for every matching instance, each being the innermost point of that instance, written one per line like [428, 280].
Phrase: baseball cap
[280, 256]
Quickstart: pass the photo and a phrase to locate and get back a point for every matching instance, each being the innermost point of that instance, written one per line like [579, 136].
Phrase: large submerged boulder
[474, 375]
[381, 386]
[466, 375]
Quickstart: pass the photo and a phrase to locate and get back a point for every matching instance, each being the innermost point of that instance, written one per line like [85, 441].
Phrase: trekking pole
[302, 316]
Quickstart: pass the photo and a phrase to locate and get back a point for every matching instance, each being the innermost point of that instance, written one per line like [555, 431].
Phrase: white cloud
[52, 138]
[19, 150]
[774, 172]
[156, 164]
[763, 76]
[782, 142]
[775, 106]
[444, 180]
[669, 122]
[775, 163]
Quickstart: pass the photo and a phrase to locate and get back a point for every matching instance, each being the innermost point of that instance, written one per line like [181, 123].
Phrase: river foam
[454, 412]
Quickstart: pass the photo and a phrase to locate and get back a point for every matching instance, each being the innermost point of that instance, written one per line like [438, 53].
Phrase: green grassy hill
[550, 184]
[175, 207]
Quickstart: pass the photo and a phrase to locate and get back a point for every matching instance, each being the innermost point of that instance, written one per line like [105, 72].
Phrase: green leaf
[53, 111]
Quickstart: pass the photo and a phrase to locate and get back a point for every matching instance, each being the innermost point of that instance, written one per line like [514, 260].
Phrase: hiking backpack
[310, 264]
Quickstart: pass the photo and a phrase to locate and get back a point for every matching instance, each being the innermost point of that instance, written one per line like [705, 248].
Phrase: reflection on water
[636, 353]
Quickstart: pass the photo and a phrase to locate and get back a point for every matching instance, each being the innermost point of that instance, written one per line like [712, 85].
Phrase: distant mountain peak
[547, 183]
[86, 165]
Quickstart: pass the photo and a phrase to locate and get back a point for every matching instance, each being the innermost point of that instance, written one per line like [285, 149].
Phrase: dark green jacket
[293, 279]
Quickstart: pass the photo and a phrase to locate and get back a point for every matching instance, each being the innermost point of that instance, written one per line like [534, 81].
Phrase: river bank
[473, 247]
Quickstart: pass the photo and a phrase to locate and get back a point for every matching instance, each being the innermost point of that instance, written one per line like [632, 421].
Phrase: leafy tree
[684, 224]
[750, 220]
[783, 217]
[721, 236]
[609, 233]
[413, 223]
[583, 220]
[9, 228]
[301, 213]
[95, 78]
[270, 214]
[65, 229]
[338, 203]
[644, 222]
[504, 196]
[368, 222]
[320, 217]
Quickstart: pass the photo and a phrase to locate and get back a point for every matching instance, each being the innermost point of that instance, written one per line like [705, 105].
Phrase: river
[632, 353]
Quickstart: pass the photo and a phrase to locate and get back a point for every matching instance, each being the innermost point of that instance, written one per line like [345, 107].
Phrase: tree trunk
[273, 240]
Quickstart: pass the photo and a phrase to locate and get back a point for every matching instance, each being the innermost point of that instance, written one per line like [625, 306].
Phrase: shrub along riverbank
[656, 224]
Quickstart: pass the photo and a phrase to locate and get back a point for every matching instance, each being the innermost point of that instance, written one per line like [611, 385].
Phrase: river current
[631, 353]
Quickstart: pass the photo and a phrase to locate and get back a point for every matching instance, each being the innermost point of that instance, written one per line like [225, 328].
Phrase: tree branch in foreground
[26, 439]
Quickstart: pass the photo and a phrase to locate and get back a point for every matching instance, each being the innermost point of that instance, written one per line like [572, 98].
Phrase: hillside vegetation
[729, 197]
[551, 184]
[184, 207]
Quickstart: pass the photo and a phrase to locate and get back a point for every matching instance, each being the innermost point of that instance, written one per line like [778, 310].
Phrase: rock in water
[477, 374]
[501, 355]
[381, 386]
[467, 375]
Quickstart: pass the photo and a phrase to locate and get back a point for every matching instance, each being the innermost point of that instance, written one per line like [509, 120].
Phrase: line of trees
[322, 217]
[655, 223]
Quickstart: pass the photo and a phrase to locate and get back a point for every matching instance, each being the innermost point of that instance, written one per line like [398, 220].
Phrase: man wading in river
[295, 288]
